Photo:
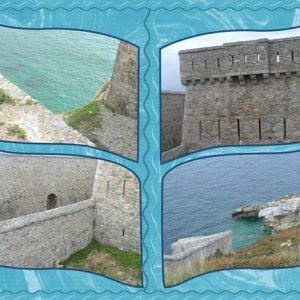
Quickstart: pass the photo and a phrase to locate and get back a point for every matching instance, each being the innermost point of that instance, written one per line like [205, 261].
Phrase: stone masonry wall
[26, 182]
[44, 239]
[172, 118]
[117, 210]
[189, 252]
[123, 91]
[241, 93]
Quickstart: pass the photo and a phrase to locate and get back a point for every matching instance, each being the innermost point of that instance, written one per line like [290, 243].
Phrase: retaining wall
[186, 253]
[44, 239]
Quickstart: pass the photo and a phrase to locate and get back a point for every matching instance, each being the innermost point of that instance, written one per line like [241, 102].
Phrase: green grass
[266, 253]
[5, 98]
[86, 120]
[17, 131]
[88, 114]
[31, 102]
[107, 260]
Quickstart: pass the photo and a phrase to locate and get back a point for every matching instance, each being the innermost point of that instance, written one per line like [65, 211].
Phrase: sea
[62, 69]
[199, 196]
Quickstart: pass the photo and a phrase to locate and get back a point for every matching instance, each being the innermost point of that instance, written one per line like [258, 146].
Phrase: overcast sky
[170, 78]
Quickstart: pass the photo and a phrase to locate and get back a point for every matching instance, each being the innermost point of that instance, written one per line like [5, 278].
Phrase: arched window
[51, 201]
[278, 57]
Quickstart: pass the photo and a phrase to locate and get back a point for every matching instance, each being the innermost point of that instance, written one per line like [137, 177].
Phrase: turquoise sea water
[62, 69]
[199, 196]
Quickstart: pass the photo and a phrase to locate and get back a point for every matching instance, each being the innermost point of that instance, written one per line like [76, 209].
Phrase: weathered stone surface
[117, 211]
[281, 214]
[26, 181]
[190, 251]
[32, 237]
[40, 124]
[249, 211]
[122, 95]
[46, 238]
[172, 118]
[234, 96]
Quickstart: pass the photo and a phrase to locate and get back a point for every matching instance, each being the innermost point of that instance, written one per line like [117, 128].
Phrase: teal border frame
[149, 25]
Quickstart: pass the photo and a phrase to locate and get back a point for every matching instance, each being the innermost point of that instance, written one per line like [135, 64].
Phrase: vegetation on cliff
[17, 131]
[5, 98]
[109, 261]
[278, 250]
[87, 119]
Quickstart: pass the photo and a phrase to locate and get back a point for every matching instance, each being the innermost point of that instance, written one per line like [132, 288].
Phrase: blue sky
[170, 79]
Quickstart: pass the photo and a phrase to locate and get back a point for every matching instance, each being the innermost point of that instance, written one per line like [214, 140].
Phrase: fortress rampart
[240, 93]
[53, 206]
[172, 112]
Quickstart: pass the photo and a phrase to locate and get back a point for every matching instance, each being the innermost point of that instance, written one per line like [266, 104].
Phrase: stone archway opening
[51, 201]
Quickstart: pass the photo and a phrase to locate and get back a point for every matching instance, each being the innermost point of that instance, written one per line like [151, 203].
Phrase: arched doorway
[51, 201]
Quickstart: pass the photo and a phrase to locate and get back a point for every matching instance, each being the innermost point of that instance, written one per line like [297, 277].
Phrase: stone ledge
[184, 248]
[35, 218]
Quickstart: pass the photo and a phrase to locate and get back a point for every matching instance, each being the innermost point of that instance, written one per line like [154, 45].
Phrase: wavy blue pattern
[152, 5]
[150, 25]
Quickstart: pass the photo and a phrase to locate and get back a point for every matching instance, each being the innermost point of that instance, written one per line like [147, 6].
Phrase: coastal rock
[245, 212]
[281, 214]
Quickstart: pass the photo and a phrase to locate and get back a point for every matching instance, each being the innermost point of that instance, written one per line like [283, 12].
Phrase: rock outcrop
[277, 215]
[281, 214]
[245, 212]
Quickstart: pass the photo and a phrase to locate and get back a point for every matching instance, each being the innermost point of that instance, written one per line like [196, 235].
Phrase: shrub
[17, 130]
[5, 98]
[31, 102]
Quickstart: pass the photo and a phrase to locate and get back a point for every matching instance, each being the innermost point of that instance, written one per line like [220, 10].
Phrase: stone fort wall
[172, 118]
[95, 199]
[45, 239]
[117, 210]
[240, 93]
[27, 181]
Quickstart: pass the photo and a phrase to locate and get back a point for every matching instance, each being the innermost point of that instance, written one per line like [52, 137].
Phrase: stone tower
[122, 95]
[241, 93]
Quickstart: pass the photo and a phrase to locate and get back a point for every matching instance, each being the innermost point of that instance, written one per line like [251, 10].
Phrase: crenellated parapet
[241, 61]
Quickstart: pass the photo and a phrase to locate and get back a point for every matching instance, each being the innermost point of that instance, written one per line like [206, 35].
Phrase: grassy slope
[109, 261]
[87, 119]
[266, 253]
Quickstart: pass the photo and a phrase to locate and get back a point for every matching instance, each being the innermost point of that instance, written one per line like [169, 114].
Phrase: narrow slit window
[284, 128]
[193, 65]
[259, 128]
[200, 130]
[205, 64]
[292, 55]
[238, 129]
[218, 62]
[124, 188]
[219, 130]
[258, 57]
[232, 59]
[278, 57]
[245, 58]
[123, 232]
[107, 187]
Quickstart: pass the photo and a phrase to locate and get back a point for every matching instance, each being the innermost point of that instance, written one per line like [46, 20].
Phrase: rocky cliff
[277, 215]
